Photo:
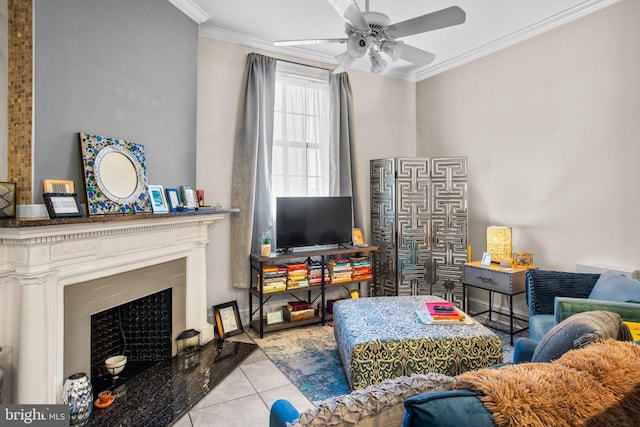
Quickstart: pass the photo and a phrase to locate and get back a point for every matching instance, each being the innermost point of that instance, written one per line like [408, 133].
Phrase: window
[300, 163]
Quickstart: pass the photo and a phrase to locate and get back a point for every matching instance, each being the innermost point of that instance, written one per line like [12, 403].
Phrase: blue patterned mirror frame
[99, 203]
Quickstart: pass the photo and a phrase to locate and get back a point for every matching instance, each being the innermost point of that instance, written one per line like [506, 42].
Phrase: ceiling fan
[373, 32]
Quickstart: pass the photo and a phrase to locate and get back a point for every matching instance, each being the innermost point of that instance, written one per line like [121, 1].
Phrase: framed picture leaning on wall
[173, 199]
[227, 317]
[61, 205]
[158, 201]
[7, 200]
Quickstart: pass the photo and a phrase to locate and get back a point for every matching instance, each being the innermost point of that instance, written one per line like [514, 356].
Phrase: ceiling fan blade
[416, 56]
[431, 21]
[345, 60]
[307, 42]
[350, 11]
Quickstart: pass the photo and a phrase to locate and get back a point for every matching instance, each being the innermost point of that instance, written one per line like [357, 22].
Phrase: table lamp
[499, 243]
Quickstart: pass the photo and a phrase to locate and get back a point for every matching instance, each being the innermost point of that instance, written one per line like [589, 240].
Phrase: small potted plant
[265, 247]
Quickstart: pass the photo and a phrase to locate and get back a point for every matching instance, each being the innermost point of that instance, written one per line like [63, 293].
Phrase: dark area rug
[163, 393]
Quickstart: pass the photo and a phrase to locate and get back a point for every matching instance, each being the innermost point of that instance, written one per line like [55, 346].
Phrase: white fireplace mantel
[37, 262]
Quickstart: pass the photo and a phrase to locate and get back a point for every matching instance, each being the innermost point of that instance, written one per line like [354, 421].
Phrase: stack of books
[274, 278]
[297, 276]
[295, 311]
[315, 273]
[339, 270]
[361, 268]
[444, 310]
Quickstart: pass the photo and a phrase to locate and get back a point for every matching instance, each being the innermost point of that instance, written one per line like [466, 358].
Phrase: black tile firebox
[140, 329]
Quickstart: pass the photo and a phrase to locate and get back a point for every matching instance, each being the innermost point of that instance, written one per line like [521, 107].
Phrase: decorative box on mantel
[38, 259]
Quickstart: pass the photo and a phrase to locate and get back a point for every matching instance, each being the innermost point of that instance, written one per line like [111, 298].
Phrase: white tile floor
[244, 397]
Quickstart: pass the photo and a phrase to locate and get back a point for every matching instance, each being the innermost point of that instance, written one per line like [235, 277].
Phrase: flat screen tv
[311, 221]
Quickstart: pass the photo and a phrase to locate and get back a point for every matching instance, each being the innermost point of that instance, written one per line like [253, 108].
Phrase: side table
[506, 281]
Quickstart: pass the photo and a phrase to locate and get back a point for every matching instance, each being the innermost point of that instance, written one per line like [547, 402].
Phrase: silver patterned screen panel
[449, 182]
[383, 230]
[413, 223]
[419, 223]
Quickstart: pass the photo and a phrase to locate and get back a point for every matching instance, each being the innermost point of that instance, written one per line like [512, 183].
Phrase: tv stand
[310, 294]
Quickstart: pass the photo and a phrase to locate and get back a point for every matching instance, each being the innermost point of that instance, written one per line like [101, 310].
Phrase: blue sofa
[552, 296]
[431, 399]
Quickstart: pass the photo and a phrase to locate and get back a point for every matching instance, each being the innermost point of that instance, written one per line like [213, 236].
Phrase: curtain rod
[304, 65]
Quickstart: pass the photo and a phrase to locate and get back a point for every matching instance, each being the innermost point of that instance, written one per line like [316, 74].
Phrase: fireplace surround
[39, 259]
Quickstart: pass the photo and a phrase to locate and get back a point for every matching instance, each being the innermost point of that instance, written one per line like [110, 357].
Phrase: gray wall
[119, 68]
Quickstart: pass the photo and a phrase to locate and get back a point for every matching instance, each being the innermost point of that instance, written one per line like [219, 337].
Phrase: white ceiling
[491, 25]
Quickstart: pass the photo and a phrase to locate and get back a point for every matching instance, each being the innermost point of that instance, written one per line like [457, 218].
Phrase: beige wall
[384, 109]
[550, 127]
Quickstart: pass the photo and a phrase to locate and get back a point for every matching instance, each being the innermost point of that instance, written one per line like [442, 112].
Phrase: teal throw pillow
[611, 286]
[452, 408]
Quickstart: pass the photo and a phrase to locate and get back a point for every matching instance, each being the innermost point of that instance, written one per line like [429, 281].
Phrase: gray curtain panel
[251, 182]
[342, 163]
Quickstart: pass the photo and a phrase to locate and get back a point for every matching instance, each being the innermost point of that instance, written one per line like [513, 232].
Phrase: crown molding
[192, 10]
[555, 21]
[362, 64]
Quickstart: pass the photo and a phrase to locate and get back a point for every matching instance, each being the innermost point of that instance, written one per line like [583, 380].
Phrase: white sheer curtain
[301, 132]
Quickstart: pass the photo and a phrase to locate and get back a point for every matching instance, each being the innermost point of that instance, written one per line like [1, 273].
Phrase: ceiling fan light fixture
[357, 45]
[393, 49]
[378, 64]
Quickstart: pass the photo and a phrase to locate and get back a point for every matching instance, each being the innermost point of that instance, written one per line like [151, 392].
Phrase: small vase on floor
[78, 394]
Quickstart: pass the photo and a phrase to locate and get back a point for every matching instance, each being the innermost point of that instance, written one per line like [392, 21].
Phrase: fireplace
[41, 265]
[146, 306]
[140, 330]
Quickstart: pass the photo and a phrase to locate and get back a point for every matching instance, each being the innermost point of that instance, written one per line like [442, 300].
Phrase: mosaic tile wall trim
[20, 96]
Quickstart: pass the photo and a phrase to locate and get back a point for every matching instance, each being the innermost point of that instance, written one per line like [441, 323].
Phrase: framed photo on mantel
[188, 196]
[60, 205]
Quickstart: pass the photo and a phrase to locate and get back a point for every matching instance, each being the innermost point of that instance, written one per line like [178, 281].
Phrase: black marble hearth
[161, 394]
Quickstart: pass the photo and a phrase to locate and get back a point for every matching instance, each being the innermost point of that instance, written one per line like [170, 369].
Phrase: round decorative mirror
[118, 174]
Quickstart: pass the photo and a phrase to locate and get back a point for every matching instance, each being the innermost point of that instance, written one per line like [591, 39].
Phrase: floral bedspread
[382, 338]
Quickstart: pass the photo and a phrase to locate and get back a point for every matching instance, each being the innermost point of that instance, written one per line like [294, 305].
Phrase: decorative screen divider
[419, 223]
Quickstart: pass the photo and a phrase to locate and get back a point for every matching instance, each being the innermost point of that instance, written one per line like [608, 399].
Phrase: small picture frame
[58, 186]
[275, 316]
[486, 259]
[357, 238]
[7, 200]
[61, 205]
[227, 317]
[173, 199]
[188, 196]
[158, 200]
